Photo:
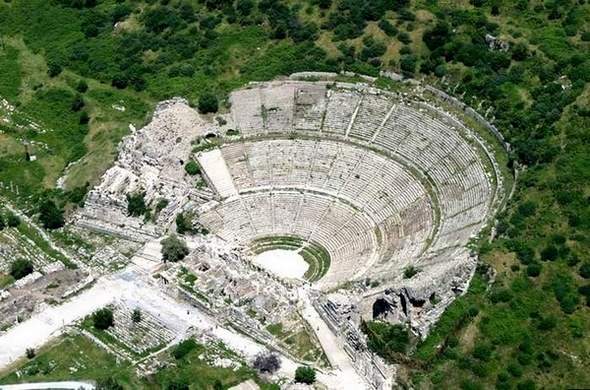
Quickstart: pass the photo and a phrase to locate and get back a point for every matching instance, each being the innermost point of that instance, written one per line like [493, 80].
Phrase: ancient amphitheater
[379, 192]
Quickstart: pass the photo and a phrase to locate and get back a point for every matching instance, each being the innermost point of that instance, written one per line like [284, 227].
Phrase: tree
[173, 249]
[438, 36]
[305, 374]
[78, 103]
[184, 223]
[53, 68]
[267, 362]
[208, 103]
[136, 204]
[30, 353]
[388, 28]
[51, 216]
[585, 270]
[84, 118]
[82, 86]
[2, 223]
[534, 269]
[136, 316]
[183, 348]
[103, 318]
[192, 168]
[21, 268]
[177, 384]
[12, 220]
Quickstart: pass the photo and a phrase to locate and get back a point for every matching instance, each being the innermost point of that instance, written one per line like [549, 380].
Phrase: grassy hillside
[530, 327]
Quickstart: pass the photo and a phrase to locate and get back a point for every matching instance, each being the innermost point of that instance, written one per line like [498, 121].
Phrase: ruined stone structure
[382, 191]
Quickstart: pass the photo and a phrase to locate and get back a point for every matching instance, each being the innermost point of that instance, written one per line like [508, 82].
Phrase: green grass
[56, 360]
[10, 77]
[74, 357]
[6, 280]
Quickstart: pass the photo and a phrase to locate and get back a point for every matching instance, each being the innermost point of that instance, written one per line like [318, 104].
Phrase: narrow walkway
[346, 375]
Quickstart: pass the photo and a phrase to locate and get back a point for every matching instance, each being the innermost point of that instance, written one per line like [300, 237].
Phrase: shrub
[305, 374]
[585, 270]
[177, 384]
[267, 362]
[51, 216]
[84, 118]
[161, 205]
[388, 28]
[30, 353]
[136, 204]
[78, 103]
[12, 220]
[385, 339]
[437, 36]
[410, 271]
[408, 64]
[547, 323]
[82, 86]
[103, 318]
[533, 269]
[21, 268]
[208, 103]
[136, 316]
[404, 38]
[192, 168]
[184, 223]
[173, 249]
[482, 352]
[549, 253]
[183, 348]
[53, 69]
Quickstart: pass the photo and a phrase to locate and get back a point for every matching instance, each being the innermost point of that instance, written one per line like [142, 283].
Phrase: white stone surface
[283, 263]
[216, 170]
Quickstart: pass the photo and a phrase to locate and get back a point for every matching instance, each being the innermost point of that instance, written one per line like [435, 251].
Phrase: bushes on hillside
[183, 348]
[386, 339]
[208, 103]
[21, 268]
[12, 220]
[50, 215]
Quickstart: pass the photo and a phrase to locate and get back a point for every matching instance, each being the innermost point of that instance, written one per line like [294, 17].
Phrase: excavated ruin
[381, 192]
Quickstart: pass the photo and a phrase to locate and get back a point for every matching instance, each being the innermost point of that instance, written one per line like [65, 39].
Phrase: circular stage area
[284, 263]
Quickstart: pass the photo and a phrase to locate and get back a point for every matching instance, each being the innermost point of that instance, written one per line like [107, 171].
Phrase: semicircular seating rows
[379, 180]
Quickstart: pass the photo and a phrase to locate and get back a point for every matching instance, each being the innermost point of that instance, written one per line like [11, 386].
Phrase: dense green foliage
[102, 319]
[53, 363]
[173, 249]
[51, 216]
[136, 204]
[21, 268]
[65, 65]
[192, 168]
[385, 339]
[305, 374]
[183, 348]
